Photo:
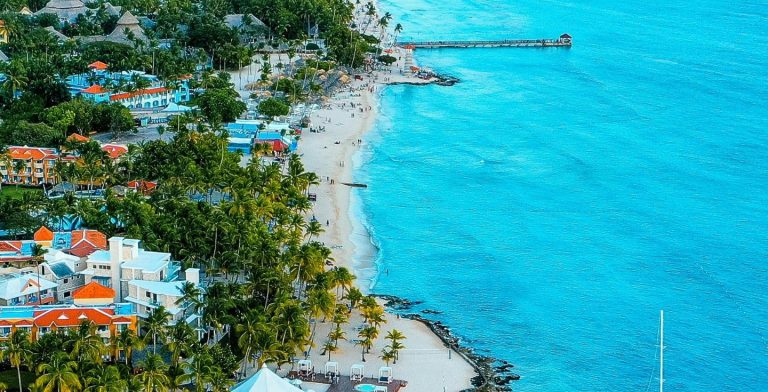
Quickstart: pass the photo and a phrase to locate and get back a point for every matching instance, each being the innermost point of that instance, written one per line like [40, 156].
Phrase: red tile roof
[43, 234]
[116, 97]
[98, 65]
[78, 137]
[122, 320]
[10, 246]
[142, 185]
[72, 317]
[23, 323]
[93, 290]
[83, 249]
[93, 237]
[114, 150]
[25, 153]
[95, 89]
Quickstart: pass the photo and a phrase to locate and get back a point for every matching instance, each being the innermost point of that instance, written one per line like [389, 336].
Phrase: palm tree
[387, 355]
[398, 30]
[180, 338]
[86, 343]
[250, 334]
[16, 350]
[395, 336]
[354, 295]
[104, 379]
[127, 341]
[37, 256]
[155, 325]
[58, 375]
[220, 381]
[15, 78]
[19, 166]
[190, 294]
[200, 369]
[154, 377]
[330, 347]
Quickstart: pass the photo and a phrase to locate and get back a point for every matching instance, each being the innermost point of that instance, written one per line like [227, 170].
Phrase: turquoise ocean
[555, 200]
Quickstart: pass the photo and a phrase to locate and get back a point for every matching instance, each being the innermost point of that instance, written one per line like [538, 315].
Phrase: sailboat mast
[661, 355]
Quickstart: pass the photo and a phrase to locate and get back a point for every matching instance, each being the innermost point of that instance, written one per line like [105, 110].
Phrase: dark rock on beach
[493, 375]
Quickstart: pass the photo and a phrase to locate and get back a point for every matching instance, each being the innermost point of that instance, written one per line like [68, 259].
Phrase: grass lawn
[10, 379]
[12, 192]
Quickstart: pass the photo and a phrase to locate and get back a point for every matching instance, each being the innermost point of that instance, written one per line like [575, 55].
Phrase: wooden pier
[565, 40]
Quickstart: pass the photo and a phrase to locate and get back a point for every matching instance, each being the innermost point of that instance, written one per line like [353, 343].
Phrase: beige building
[147, 279]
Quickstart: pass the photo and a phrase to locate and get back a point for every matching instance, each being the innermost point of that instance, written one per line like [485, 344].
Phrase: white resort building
[147, 279]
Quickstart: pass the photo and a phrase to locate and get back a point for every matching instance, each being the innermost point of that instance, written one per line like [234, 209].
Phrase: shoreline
[336, 154]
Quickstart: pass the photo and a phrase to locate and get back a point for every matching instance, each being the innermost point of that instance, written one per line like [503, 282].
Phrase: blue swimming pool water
[555, 200]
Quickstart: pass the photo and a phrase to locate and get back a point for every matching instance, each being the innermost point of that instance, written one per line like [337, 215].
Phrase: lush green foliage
[273, 107]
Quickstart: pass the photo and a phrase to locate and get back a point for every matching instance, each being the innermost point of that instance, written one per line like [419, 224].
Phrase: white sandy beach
[425, 363]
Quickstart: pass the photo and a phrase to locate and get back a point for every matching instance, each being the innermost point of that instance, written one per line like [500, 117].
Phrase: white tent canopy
[265, 381]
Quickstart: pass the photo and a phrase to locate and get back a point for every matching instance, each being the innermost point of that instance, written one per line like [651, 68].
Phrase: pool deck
[346, 385]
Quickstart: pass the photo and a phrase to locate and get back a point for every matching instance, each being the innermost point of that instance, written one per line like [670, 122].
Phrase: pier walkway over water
[565, 40]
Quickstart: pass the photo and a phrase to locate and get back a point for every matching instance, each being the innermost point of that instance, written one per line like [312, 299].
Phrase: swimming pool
[365, 387]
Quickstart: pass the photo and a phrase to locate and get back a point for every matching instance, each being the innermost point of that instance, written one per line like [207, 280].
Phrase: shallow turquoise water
[555, 200]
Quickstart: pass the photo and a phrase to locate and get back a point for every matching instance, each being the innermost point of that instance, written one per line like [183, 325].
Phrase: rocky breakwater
[493, 375]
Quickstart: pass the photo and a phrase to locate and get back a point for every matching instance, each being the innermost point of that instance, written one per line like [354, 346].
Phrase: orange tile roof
[23, 323]
[122, 319]
[93, 290]
[114, 150]
[98, 65]
[10, 246]
[43, 234]
[95, 89]
[93, 237]
[142, 185]
[78, 137]
[72, 317]
[154, 90]
[83, 249]
[25, 153]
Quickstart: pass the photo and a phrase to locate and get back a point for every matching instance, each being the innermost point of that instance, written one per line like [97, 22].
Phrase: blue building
[101, 85]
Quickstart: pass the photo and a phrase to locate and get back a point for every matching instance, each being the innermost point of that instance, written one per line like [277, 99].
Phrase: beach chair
[385, 375]
[306, 370]
[356, 372]
[331, 371]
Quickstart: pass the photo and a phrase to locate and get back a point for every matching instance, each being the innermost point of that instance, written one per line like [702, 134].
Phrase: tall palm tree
[191, 295]
[86, 343]
[200, 369]
[104, 379]
[37, 256]
[155, 325]
[58, 375]
[395, 337]
[398, 30]
[181, 337]
[154, 377]
[17, 351]
[127, 341]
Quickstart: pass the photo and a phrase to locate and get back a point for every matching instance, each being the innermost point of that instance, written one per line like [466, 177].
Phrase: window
[67, 294]
[149, 295]
[66, 280]
[5, 331]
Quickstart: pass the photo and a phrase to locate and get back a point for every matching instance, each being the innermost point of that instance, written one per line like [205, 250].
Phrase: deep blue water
[555, 200]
